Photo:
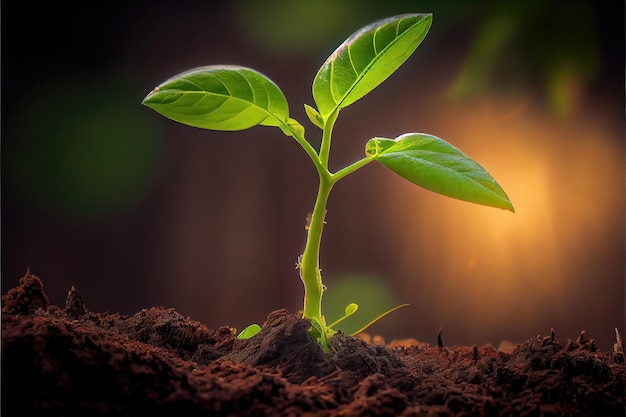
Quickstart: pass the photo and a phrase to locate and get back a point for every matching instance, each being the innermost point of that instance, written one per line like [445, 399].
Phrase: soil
[69, 361]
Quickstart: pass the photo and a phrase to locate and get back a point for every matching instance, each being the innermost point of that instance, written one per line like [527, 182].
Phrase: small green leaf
[314, 116]
[349, 310]
[435, 165]
[366, 59]
[249, 331]
[292, 127]
[221, 98]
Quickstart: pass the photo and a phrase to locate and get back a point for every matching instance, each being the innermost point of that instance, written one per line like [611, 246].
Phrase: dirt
[69, 361]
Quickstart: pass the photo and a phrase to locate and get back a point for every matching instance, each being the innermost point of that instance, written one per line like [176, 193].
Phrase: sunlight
[485, 266]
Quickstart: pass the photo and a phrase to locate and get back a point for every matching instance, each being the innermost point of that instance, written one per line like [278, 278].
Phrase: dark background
[136, 211]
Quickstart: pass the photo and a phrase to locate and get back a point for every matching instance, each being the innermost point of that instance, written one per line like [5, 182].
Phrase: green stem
[310, 272]
[329, 123]
[350, 168]
[307, 148]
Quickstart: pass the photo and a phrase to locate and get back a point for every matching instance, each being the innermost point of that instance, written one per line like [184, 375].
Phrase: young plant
[230, 98]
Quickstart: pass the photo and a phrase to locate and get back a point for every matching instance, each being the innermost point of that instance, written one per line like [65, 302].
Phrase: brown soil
[73, 362]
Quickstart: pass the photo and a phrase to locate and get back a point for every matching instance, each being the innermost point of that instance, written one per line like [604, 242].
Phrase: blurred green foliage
[518, 45]
[83, 151]
[290, 27]
[547, 47]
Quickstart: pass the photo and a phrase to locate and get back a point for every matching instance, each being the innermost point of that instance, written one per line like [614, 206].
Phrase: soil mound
[73, 362]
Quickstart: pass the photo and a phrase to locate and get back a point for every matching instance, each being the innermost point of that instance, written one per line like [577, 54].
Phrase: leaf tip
[506, 202]
[314, 116]
[147, 98]
[511, 208]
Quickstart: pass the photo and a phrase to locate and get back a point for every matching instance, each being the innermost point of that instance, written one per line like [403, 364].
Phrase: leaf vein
[356, 72]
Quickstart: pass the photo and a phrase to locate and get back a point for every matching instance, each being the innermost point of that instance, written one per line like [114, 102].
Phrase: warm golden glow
[488, 268]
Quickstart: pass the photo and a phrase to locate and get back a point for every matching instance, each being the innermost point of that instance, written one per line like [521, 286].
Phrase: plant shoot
[230, 98]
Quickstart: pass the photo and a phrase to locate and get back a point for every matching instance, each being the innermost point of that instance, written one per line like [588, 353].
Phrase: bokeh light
[485, 271]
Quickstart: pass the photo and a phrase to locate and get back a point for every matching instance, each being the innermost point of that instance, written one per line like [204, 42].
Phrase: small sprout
[349, 310]
[231, 98]
[378, 318]
[249, 331]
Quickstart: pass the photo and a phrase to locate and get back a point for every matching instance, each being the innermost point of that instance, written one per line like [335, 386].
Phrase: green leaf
[249, 331]
[349, 310]
[314, 116]
[221, 98]
[292, 128]
[434, 164]
[366, 59]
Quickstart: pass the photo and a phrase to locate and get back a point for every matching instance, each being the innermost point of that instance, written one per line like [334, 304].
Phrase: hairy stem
[310, 269]
[310, 272]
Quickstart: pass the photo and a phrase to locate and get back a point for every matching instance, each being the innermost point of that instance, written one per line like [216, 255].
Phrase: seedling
[230, 98]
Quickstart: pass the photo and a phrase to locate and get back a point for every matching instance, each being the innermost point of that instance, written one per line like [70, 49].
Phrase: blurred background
[135, 211]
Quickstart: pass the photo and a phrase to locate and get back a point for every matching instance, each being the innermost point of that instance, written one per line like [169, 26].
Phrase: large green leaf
[221, 98]
[366, 59]
[434, 164]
